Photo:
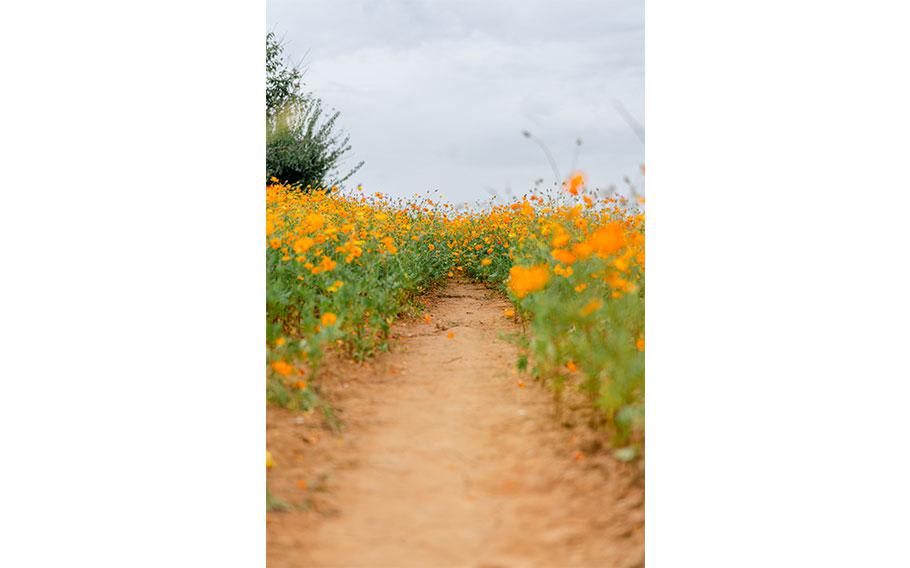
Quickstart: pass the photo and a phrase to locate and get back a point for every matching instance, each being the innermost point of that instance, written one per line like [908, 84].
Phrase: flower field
[341, 265]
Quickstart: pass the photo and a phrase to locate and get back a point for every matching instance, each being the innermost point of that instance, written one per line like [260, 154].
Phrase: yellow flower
[486, 262]
[269, 462]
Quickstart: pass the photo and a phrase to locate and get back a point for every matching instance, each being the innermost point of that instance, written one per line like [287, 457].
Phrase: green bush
[302, 146]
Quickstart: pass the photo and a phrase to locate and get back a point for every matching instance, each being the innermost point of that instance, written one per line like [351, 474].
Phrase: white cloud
[436, 94]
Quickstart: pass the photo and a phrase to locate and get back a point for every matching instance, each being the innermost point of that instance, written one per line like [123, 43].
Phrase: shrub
[302, 146]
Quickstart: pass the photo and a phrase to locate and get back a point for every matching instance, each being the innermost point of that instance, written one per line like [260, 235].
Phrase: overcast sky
[435, 95]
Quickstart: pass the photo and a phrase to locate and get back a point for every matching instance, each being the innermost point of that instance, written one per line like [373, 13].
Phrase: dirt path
[446, 460]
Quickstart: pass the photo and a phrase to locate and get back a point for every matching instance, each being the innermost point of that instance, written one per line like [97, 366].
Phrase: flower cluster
[340, 267]
[573, 263]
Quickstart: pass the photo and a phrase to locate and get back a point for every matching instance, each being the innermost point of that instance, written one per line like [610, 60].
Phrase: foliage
[282, 81]
[302, 145]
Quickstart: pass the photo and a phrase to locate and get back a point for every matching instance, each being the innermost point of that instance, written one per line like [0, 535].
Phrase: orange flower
[300, 385]
[303, 244]
[619, 283]
[608, 239]
[327, 264]
[328, 319]
[563, 256]
[509, 313]
[486, 262]
[640, 343]
[583, 250]
[591, 307]
[563, 271]
[389, 243]
[283, 368]
[574, 183]
[622, 263]
[571, 366]
[275, 243]
[561, 239]
[523, 281]
[450, 335]
[314, 222]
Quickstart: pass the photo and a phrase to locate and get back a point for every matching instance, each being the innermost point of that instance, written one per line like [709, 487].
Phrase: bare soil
[449, 458]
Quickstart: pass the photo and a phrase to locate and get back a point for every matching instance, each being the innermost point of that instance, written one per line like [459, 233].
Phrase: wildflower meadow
[342, 265]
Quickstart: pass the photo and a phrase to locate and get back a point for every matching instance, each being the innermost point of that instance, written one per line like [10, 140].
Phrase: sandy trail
[446, 461]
